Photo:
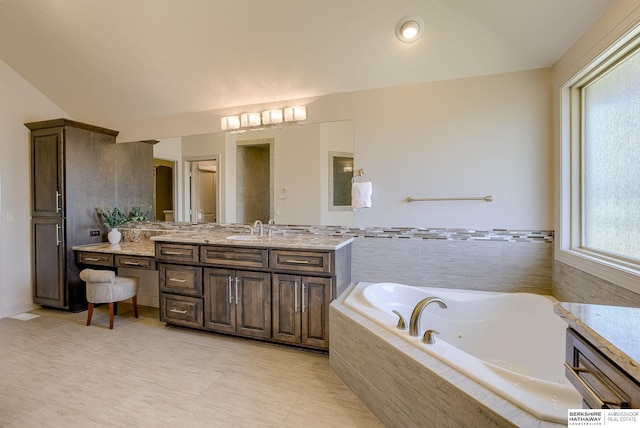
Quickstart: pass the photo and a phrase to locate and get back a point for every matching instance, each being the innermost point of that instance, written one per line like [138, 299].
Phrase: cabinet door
[219, 298]
[47, 172]
[316, 296]
[48, 262]
[286, 308]
[253, 303]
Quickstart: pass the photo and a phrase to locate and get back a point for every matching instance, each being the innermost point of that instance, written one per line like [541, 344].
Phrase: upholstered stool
[103, 286]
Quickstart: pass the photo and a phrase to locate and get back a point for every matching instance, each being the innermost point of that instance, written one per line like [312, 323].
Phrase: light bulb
[410, 30]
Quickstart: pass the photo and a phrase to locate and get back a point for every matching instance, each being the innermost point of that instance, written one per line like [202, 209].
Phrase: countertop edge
[301, 242]
[607, 348]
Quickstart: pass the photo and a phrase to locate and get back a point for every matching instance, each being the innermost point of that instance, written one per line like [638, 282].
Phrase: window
[611, 160]
[600, 158]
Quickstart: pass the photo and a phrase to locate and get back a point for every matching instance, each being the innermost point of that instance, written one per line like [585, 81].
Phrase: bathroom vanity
[274, 288]
[603, 354]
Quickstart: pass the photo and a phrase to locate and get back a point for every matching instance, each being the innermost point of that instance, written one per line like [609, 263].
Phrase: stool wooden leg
[111, 315]
[134, 300]
[89, 313]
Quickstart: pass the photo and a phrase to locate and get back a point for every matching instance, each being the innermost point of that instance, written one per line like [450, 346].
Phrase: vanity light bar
[271, 117]
[267, 117]
[230, 122]
[293, 114]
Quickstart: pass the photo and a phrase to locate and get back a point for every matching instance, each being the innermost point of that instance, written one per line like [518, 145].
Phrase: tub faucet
[414, 322]
[258, 223]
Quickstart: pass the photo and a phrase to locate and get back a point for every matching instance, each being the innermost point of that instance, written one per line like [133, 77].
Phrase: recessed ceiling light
[409, 28]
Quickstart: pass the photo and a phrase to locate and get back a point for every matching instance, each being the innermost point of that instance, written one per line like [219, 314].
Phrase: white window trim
[626, 275]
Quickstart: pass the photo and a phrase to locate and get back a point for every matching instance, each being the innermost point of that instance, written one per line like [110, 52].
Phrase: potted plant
[113, 218]
[137, 214]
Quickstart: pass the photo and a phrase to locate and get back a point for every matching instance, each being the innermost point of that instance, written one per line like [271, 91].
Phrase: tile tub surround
[144, 230]
[405, 387]
[491, 260]
[573, 285]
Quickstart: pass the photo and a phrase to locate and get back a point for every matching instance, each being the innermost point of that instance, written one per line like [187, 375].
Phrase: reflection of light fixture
[410, 28]
[249, 119]
[229, 123]
[270, 117]
[293, 114]
[253, 121]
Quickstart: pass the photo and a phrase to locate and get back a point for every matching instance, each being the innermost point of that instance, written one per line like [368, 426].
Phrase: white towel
[361, 195]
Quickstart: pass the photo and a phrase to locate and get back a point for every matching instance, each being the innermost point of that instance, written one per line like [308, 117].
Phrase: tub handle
[429, 337]
[402, 324]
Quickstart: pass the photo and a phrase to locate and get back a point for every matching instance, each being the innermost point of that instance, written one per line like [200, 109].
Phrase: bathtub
[511, 343]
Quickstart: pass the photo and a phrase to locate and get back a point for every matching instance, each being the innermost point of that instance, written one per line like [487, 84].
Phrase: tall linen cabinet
[73, 171]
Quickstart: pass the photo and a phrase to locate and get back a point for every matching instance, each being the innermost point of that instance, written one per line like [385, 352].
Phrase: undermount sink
[244, 238]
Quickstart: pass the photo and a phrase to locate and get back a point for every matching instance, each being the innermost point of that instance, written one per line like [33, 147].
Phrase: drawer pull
[600, 402]
[174, 253]
[132, 263]
[296, 261]
[91, 259]
[177, 280]
[178, 311]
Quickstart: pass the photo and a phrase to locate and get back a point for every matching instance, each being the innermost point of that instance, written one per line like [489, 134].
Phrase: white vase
[114, 236]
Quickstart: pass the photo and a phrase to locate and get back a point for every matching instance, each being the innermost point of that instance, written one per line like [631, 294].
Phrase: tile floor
[57, 372]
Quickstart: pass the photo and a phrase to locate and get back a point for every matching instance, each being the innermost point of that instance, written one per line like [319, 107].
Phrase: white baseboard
[17, 309]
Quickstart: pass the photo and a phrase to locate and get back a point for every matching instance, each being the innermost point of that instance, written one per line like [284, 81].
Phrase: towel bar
[488, 198]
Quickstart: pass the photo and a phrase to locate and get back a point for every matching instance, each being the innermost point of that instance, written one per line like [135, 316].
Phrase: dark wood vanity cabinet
[602, 384]
[73, 170]
[266, 293]
[238, 301]
[300, 309]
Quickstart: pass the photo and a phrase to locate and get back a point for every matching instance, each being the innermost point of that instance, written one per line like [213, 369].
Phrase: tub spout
[414, 322]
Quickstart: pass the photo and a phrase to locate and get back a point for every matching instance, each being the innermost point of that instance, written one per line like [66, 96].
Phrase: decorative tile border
[144, 230]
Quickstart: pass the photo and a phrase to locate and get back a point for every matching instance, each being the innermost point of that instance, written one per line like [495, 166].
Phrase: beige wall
[20, 103]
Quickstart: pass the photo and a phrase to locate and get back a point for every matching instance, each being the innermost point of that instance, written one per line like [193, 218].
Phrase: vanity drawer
[177, 252]
[180, 279]
[601, 382]
[98, 259]
[235, 256]
[181, 310]
[301, 261]
[138, 262]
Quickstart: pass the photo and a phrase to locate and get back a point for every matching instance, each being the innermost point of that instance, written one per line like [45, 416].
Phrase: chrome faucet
[258, 223]
[414, 322]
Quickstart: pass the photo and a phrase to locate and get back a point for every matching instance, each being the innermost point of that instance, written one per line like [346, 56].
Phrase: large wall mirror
[297, 174]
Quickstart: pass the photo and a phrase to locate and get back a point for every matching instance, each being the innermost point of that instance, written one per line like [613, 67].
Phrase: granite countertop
[297, 242]
[611, 329]
[144, 248]
[147, 247]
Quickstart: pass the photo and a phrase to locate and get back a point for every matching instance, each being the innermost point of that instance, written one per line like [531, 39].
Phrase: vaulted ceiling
[118, 61]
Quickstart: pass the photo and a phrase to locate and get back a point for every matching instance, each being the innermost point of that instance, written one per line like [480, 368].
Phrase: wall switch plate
[94, 233]
[11, 217]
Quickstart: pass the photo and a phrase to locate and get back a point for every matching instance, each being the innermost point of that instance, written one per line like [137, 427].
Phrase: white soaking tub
[511, 343]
